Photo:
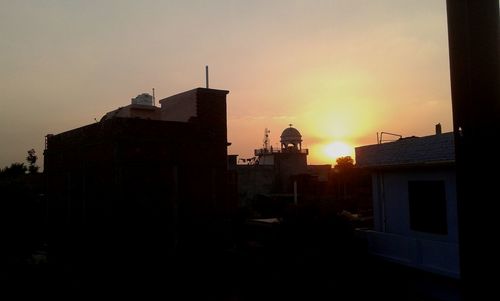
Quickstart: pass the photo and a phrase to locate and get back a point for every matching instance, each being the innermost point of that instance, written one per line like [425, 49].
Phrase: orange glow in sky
[338, 149]
[338, 70]
[328, 152]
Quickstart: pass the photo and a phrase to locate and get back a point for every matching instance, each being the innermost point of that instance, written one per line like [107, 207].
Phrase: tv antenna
[206, 75]
[266, 139]
[381, 140]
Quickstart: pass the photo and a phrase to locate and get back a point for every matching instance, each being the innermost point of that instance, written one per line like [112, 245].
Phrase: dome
[291, 136]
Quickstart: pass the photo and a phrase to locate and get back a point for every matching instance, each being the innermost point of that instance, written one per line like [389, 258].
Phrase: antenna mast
[153, 97]
[266, 139]
[206, 75]
[381, 140]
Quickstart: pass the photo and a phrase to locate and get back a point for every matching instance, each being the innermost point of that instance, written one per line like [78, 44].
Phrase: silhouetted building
[289, 160]
[142, 182]
[141, 107]
[271, 170]
[321, 172]
[414, 202]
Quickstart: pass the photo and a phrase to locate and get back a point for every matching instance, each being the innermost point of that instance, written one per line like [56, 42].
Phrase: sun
[337, 149]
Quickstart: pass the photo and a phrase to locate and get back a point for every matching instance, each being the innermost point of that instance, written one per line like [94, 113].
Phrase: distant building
[289, 160]
[280, 172]
[414, 201]
[142, 181]
[141, 107]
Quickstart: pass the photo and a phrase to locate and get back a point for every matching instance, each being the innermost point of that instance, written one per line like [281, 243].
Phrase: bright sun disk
[337, 149]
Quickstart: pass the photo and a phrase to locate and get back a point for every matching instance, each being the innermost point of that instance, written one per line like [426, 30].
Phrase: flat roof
[410, 151]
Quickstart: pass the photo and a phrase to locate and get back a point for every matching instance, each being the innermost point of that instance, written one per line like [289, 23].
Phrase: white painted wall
[392, 237]
[390, 200]
[430, 255]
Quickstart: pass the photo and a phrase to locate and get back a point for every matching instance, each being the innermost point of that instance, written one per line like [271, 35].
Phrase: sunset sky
[339, 70]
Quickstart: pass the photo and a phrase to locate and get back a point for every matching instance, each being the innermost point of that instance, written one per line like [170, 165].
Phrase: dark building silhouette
[141, 183]
[278, 177]
[281, 176]
[272, 169]
[474, 50]
[290, 159]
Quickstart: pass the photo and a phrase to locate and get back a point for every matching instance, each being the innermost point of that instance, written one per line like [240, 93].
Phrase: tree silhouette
[31, 158]
[14, 170]
[344, 170]
[22, 211]
[344, 163]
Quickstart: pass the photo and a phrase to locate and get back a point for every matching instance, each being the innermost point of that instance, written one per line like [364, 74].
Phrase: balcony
[440, 257]
[264, 152]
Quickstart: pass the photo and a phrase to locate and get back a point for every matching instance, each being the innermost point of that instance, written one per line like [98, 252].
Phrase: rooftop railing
[263, 151]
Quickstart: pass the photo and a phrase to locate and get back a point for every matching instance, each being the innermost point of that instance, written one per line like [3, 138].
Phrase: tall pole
[206, 75]
[473, 35]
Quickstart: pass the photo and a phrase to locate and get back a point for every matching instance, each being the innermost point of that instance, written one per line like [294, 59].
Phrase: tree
[344, 170]
[14, 170]
[344, 163]
[31, 158]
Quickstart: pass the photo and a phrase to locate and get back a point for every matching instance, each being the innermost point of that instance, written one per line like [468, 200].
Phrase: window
[427, 206]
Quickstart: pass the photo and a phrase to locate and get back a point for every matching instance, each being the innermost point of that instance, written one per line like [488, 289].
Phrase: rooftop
[434, 149]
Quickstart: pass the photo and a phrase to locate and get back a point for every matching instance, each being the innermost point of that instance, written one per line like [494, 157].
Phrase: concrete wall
[392, 237]
[179, 107]
[266, 160]
[321, 171]
[149, 185]
[253, 180]
[430, 255]
[391, 205]
[289, 164]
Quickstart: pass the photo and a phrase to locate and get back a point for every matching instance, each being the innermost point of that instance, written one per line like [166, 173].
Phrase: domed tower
[285, 162]
[291, 139]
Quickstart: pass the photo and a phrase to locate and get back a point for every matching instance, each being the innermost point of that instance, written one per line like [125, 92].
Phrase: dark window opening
[427, 206]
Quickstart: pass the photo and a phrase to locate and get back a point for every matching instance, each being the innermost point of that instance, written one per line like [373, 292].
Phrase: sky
[339, 70]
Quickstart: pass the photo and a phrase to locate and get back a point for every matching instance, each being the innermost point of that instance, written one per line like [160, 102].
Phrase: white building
[414, 202]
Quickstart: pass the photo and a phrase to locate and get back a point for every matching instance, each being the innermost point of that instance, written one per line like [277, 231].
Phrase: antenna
[153, 97]
[206, 75]
[381, 140]
[266, 139]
